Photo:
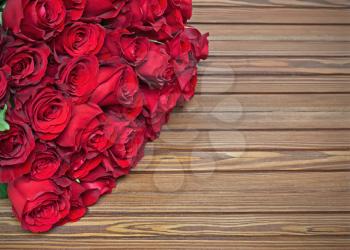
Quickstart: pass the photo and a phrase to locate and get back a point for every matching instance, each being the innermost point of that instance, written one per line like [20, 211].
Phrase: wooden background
[260, 159]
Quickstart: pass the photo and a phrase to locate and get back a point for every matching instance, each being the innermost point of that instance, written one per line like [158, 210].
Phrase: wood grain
[259, 159]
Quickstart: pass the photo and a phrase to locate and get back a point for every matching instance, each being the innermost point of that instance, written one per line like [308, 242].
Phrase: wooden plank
[231, 162]
[279, 120]
[253, 15]
[150, 226]
[254, 140]
[268, 48]
[242, 243]
[226, 193]
[214, 103]
[277, 33]
[275, 66]
[250, 84]
[273, 3]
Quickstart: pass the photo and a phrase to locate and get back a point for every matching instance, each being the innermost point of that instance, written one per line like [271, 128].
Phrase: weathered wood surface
[260, 159]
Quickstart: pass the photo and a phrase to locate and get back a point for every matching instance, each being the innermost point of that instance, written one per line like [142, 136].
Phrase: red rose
[78, 77]
[122, 43]
[99, 181]
[129, 146]
[199, 43]
[16, 145]
[157, 106]
[75, 8]
[167, 26]
[34, 19]
[38, 205]
[157, 70]
[3, 86]
[102, 9]
[80, 39]
[185, 6]
[117, 85]
[89, 133]
[28, 62]
[47, 110]
[46, 163]
[77, 206]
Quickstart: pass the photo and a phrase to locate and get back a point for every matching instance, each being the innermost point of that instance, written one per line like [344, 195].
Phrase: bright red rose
[157, 70]
[46, 163]
[88, 134]
[167, 26]
[102, 9]
[75, 8]
[48, 112]
[28, 62]
[16, 146]
[34, 19]
[77, 206]
[117, 85]
[38, 205]
[80, 39]
[78, 77]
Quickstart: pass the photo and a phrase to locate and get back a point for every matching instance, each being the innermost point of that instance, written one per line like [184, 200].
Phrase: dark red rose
[167, 26]
[46, 163]
[80, 39]
[28, 62]
[102, 9]
[128, 148]
[127, 113]
[77, 206]
[48, 112]
[99, 181]
[122, 43]
[89, 133]
[157, 106]
[16, 146]
[199, 43]
[34, 19]
[38, 205]
[157, 70]
[3, 86]
[185, 6]
[153, 8]
[75, 8]
[78, 77]
[117, 85]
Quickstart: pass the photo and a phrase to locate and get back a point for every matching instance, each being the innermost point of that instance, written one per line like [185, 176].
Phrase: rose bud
[80, 39]
[157, 70]
[46, 163]
[77, 206]
[89, 132]
[27, 62]
[97, 10]
[16, 146]
[117, 85]
[75, 8]
[48, 112]
[38, 205]
[36, 19]
[78, 77]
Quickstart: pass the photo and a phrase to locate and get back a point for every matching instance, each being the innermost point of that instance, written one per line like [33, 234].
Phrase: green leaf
[3, 191]
[3, 124]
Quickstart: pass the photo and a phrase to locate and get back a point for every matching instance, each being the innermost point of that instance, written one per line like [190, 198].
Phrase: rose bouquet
[84, 85]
